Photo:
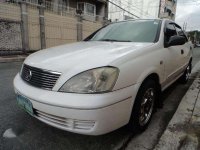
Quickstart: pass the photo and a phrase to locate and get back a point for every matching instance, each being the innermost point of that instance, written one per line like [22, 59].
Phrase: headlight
[92, 81]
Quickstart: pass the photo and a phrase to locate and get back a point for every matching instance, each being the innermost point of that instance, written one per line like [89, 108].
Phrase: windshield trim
[158, 32]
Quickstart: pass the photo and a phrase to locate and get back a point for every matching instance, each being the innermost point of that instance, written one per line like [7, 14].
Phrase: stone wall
[10, 35]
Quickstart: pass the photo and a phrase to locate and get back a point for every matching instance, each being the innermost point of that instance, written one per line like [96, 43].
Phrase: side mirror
[176, 40]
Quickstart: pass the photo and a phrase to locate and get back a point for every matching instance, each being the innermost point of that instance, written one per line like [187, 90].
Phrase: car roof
[164, 19]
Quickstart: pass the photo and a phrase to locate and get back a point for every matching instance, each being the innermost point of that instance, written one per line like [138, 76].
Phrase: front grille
[38, 77]
[65, 122]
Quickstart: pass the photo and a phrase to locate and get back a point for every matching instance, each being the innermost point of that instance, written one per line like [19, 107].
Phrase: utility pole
[184, 26]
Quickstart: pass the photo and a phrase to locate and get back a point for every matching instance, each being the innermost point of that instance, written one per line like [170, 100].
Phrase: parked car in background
[197, 44]
[112, 78]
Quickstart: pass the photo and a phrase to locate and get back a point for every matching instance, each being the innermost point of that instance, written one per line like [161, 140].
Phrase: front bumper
[91, 114]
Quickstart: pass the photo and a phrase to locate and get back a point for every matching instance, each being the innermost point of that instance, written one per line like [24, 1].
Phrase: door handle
[182, 51]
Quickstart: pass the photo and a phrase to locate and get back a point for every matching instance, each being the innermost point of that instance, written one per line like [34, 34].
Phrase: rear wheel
[143, 107]
[185, 77]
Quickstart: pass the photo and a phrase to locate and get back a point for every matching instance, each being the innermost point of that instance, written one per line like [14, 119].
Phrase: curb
[12, 59]
[177, 134]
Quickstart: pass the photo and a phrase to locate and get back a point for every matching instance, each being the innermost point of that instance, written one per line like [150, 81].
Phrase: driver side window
[170, 31]
[181, 33]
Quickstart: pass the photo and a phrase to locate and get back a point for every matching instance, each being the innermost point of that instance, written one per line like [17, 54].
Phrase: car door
[173, 61]
[185, 49]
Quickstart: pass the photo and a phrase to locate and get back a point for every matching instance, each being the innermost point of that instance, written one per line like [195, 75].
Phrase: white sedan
[112, 78]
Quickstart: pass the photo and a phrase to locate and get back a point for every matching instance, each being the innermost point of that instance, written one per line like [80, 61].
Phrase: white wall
[140, 8]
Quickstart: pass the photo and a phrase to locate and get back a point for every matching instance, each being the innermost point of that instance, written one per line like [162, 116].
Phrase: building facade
[127, 9]
[168, 9]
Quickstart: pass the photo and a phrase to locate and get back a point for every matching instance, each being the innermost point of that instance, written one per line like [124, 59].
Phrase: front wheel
[143, 107]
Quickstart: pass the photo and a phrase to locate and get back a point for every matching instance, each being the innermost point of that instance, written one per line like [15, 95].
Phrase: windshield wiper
[112, 40]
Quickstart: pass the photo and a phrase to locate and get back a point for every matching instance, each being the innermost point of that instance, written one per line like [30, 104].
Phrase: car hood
[82, 55]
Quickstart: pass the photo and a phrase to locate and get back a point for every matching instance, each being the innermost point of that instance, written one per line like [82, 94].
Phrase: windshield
[128, 31]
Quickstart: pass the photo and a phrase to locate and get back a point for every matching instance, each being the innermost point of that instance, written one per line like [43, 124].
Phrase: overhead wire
[138, 9]
[123, 9]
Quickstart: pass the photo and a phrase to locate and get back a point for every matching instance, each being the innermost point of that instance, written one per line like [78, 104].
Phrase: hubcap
[147, 106]
[187, 75]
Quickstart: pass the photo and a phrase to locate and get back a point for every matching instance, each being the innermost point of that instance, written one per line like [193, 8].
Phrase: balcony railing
[59, 9]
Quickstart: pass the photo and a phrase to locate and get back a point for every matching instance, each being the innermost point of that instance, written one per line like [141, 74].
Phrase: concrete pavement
[183, 131]
[12, 58]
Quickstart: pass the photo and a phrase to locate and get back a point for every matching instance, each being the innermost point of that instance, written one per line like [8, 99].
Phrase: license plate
[25, 104]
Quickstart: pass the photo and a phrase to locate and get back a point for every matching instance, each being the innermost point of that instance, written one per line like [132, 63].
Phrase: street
[33, 134]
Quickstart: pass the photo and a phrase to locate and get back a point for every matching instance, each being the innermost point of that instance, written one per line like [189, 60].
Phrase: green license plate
[25, 104]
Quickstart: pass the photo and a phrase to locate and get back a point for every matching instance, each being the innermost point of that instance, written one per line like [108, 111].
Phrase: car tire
[143, 109]
[185, 77]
